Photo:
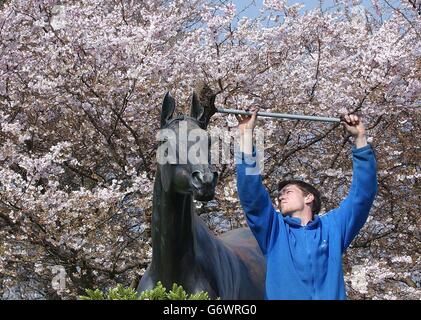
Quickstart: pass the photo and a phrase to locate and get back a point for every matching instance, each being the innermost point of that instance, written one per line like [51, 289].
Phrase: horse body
[185, 251]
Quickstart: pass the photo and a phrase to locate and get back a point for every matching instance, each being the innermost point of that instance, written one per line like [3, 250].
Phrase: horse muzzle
[203, 185]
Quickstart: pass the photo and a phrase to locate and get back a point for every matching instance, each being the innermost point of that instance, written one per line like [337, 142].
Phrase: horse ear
[196, 109]
[168, 107]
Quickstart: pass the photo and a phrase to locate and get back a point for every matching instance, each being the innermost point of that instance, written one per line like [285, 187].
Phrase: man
[304, 250]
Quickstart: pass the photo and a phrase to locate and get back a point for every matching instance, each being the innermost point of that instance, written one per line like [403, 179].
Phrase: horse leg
[147, 282]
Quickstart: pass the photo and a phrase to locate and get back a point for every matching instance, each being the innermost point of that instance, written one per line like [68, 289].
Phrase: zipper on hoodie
[310, 261]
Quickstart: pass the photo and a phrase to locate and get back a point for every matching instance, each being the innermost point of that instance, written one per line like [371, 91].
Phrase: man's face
[292, 199]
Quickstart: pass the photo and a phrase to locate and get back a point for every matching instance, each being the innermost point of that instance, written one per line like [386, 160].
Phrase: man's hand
[354, 125]
[246, 124]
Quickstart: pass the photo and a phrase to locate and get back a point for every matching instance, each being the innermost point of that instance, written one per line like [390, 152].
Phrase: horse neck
[172, 230]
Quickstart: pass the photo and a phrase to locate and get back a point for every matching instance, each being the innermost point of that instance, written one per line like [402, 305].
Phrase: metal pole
[279, 115]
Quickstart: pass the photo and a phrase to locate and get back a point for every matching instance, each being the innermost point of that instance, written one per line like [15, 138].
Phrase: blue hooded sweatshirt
[305, 262]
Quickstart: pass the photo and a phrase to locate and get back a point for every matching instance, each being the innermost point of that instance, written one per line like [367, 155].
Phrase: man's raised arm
[354, 209]
[254, 198]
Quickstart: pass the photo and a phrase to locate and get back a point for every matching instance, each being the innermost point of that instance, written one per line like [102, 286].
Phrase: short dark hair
[306, 188]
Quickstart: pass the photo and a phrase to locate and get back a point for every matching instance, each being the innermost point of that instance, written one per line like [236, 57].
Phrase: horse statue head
[186, 138]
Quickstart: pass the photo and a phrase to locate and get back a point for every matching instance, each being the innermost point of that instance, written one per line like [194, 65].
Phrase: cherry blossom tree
[80, 92]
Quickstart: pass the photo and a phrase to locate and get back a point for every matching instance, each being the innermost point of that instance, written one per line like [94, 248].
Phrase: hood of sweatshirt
[296, 222]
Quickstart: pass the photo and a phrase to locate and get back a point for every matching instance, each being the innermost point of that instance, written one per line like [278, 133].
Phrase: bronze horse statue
[184, 250]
